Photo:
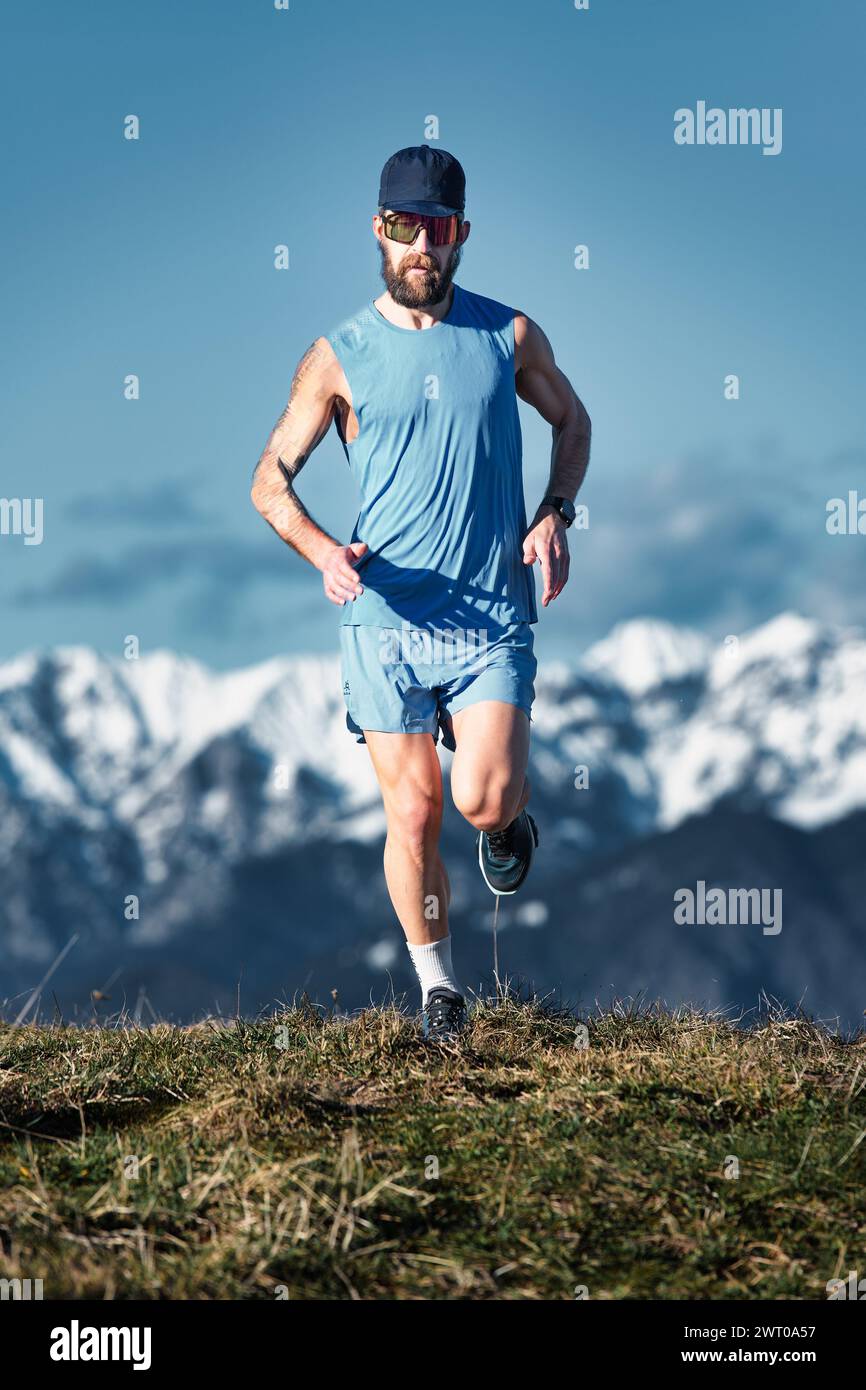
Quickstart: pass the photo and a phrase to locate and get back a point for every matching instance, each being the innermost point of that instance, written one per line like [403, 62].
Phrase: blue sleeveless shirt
[438, 461]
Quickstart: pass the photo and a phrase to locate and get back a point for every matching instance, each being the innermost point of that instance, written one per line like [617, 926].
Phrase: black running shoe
[444, 1016]
[505, 855]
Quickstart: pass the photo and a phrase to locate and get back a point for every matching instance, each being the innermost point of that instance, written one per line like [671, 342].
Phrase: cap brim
[432, 209]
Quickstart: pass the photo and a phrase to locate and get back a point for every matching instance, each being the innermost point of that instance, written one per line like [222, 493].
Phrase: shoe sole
[509, 892]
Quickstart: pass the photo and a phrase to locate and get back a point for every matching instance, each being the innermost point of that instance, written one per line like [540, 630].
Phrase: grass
[310, 1157]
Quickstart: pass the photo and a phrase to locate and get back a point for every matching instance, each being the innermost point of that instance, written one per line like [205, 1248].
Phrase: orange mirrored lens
[404, 227]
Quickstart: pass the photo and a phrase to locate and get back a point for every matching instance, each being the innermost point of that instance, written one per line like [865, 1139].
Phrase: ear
[464, 232]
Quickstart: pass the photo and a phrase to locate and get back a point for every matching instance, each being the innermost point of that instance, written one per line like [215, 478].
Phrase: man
[436, 586]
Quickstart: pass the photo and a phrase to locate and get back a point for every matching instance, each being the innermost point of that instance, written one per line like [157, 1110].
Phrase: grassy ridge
[225, 1161]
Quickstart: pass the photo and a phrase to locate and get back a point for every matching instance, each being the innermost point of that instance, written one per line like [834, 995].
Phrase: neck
[419, 318]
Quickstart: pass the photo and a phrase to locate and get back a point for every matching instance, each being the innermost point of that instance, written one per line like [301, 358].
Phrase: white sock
[433, 967]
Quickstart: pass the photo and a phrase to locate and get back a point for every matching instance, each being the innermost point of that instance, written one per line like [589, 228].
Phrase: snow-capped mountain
[159, 808]
[775, 719]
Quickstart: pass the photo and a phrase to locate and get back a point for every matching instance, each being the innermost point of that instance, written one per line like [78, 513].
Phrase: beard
[418, 291]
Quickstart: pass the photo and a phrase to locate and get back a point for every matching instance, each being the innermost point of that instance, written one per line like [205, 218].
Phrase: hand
[340, 578]
[546, 541]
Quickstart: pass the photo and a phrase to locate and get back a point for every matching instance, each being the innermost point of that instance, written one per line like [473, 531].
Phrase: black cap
[421, 179]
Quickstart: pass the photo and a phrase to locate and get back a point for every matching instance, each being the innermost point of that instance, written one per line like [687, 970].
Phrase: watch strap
[556, 503]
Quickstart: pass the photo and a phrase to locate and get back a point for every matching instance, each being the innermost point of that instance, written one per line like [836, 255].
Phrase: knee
[487, 807]
[414, 820]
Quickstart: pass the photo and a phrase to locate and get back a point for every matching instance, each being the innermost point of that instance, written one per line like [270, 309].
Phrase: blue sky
[261, 127]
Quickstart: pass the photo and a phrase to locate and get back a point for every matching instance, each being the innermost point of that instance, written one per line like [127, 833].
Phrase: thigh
[407, 768]
[492, 740]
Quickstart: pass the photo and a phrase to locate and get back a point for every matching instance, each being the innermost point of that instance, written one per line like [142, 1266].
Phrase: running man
[436, 586]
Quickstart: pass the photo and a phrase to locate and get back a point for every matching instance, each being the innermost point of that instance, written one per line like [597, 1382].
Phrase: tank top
[438, 463]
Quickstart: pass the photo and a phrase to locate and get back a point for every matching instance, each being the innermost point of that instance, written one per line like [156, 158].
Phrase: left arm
[540, 383]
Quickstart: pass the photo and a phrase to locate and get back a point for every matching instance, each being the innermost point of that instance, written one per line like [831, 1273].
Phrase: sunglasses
[405, 226]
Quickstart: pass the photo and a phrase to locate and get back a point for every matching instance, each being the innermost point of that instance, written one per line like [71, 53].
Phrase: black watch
[562, 506]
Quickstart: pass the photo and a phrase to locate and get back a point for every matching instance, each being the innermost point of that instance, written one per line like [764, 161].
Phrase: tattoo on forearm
[290, 472]
[302, 425]
[273, 481]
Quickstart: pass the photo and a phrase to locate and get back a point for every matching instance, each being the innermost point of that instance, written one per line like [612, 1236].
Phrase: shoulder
[526, 330]
[530, 343]
[319, 370]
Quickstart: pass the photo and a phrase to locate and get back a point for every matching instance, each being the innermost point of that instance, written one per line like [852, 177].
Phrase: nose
[420, 243]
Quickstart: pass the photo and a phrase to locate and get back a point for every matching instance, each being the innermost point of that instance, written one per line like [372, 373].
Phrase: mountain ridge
[161, 781]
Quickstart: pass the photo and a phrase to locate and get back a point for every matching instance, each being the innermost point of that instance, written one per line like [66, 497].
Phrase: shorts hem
[357, 726]
[480, 697]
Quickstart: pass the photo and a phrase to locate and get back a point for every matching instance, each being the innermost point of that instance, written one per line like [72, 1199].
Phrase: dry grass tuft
[339, 1157]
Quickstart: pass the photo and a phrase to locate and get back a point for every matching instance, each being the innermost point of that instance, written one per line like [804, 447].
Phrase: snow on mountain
[197, 767]
[782, 723]
[113, 741]
[247, 823]
[645, 653]
[775, 719]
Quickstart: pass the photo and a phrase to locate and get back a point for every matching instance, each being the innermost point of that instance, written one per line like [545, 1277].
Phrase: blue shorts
[411, 680]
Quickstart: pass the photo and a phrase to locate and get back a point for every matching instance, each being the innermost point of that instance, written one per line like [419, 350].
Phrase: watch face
[563, 506]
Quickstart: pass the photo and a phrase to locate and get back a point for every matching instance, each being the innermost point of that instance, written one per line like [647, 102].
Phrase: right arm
[301, 427]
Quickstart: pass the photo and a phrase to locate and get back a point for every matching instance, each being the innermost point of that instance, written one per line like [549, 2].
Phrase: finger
[529, 554]
[348, 561]
[338, 593]
[544, 557]
[562, 572]
[344, 574]
[554, 573]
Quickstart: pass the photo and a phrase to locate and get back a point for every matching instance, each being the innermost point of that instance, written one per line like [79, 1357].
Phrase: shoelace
[501, 842]
[443, 1013]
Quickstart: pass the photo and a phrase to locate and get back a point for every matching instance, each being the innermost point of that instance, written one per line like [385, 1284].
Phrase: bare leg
[488, 775]
[407, 767]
